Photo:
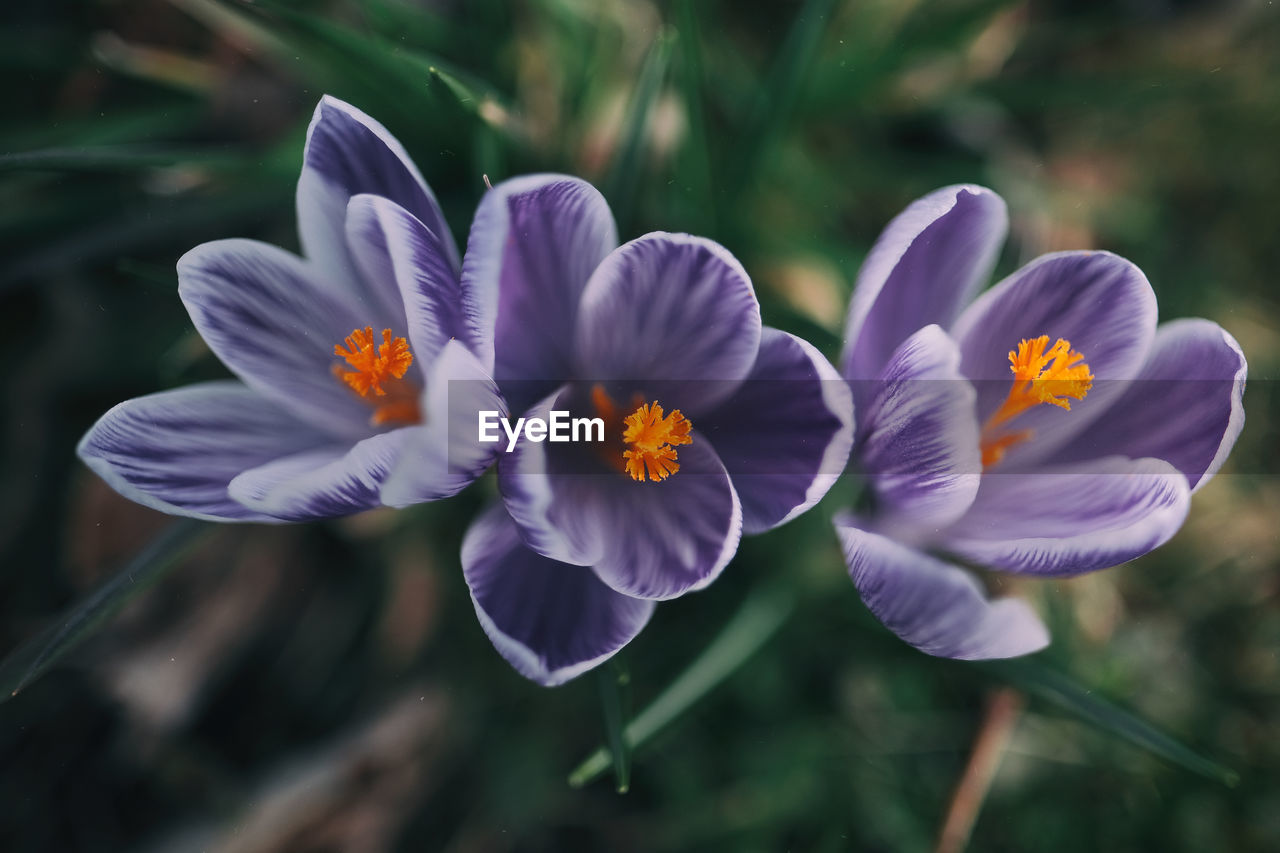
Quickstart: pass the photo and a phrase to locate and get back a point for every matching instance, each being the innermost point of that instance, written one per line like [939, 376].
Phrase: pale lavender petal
[668, 308]
[551, 621]
[1099, 302]
[935, 606]
[324, 483]
[1186, 408]
[919, 437]
[260, 311]
[1071, 519]
[646, 539]
[444, 455]
[785, 434]
[389, 243]
[925, 266]
[348, 153]
[534, 243]
[176, 451]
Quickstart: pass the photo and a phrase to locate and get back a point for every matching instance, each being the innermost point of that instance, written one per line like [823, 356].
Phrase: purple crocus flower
[339, 354]
[715, 425]
[1047, 427]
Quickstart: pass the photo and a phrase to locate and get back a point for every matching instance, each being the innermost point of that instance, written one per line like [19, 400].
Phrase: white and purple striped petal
[671, 309]
[1186, 407]
[935, 606]
[551, 621]
[176, 451]
[444, 455]
[1070, 519]
[919, 438]
[324, 483]
[260, 310]
[925, 266]
[1099, 302]
[348, 153]
[785, 434]
[534, 243]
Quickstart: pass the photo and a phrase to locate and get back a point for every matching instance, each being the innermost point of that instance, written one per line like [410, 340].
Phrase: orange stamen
[651, 437]
[1041, 374]
[376, 367]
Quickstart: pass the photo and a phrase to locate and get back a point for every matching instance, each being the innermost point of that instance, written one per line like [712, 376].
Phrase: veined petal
[645, 539]
[1070, 519]
[390, 244]
[348, 153]
[935, 606]
[667, 308]
[920, 441]
[1187, 406]
[784, 435]
[534, 243]
[324, 483]
[176, 451]
[444, 455]
[262, 312]
[1099, 302]
[551, 621]
[925, 266]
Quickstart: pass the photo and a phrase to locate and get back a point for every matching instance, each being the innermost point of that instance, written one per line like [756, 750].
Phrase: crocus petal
[645, 539]
[445, 455]
[923, 269]
[935, 606]
[324, 483]
[391, 244]
[534, 243]
[1072, 519]
[262, 313]
[348, 153]
[919, 436]
[1099, 302]
[176, 451]
[551, 621]
[785, 434]
[1186, 408]
[667, 308]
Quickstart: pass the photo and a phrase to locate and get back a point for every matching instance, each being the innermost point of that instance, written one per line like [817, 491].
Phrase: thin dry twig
[998, 723]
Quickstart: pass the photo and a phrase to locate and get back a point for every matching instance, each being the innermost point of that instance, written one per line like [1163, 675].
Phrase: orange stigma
[652, 438]
[1041, 374]
[376, 367]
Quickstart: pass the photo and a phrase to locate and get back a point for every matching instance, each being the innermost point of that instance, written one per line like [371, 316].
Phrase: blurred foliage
[328, 687]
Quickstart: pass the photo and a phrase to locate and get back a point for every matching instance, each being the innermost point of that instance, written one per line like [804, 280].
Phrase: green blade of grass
[760, 616]
[32, 659]
[1058, 689]
[108, 159]
[613, 681]
[623, 180]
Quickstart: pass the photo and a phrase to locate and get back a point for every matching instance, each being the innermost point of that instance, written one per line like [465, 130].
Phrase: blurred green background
[327, 687]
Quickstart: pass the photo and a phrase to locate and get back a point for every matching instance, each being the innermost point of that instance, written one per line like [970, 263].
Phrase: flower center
[1041, 374]
[651, 438]
[377, 374]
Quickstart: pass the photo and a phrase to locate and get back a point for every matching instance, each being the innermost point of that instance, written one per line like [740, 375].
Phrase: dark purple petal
[926, 264]
[670, 307]
[390, 244]
[784, 435]
[348, 153]
[919, 437]
[261, 312]
[1099, 302]
[646, 539]
[1186, 408]
[935, 606]
[444, 455]
[552, 621]
[534, 243]
[1072, 519]
[176, 451]
[324, 483]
